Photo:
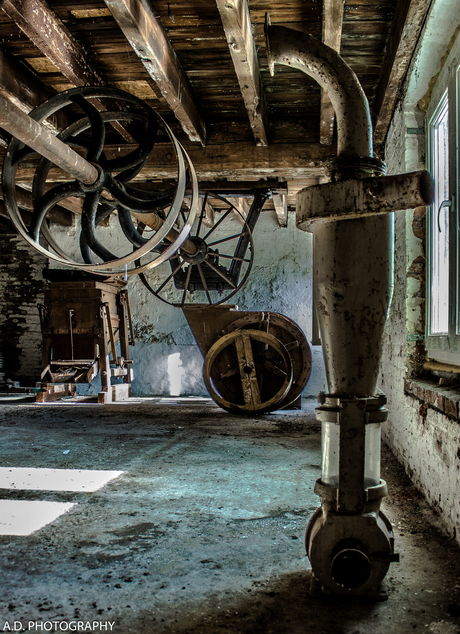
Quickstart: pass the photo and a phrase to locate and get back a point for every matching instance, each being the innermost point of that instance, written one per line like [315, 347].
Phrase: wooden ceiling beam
[59, 213]
[228, 161]
[332, 36]
[238, 31]
[149, 40]
[404, 34]
[43, 27]
[281, 210]
[19, 84]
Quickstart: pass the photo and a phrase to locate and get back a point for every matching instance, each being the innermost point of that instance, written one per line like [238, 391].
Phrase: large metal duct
[349, 540]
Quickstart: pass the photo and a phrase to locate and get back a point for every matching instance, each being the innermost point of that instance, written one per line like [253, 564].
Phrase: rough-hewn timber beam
[332, 36]
[281, 210]
[19, 84]
[402, 40]
[231, 161]
[147, 37]
[43, 27]
[238, 31]
[52, 38]
[59, 213]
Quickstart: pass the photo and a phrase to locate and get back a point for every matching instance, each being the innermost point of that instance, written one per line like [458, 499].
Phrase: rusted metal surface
[36, 136]
[352, 284]
[363, 197]
[109, 192]
[301, 51]
[351, 257]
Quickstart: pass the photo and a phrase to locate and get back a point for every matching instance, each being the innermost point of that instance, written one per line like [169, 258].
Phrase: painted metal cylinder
[360, 197]
[352, 294]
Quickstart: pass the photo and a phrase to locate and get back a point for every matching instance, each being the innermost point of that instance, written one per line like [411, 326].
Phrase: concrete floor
[202, 532]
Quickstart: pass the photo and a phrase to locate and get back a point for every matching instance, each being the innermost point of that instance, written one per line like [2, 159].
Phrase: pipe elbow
[302, 51]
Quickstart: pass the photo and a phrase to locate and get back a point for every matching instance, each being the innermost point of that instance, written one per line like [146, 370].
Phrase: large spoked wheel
[213, 264]
[294, 340]
[115, 132]
[248, 371]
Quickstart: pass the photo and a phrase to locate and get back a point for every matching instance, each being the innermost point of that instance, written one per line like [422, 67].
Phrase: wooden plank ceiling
[202, 65]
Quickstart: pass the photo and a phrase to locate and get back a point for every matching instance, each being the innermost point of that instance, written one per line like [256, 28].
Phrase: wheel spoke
[203, 281]
[251, 393]
[216, 270]
[218, 223]
[232, 257]
[229, 373]
[187, 282]
[160, 288]
[236, 235]
[230, 272]
[273, 368]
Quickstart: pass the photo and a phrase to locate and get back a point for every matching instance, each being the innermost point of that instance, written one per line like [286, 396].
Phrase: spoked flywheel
[215, 261]
[114, 132]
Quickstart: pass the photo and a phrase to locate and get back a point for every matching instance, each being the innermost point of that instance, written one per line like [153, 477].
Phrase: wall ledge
[429, 393]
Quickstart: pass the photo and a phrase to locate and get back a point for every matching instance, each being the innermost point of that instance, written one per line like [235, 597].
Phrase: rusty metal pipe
[45, 143]
[356, 198]
[351, 257]
[352, 286]
[304, 52]
[37, 137]
[154, 222]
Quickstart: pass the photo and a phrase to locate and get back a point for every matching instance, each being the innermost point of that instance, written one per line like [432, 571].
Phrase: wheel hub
[201, 251]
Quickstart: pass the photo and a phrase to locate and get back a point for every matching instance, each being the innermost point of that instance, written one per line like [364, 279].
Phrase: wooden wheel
[248, 371]
[291, 336]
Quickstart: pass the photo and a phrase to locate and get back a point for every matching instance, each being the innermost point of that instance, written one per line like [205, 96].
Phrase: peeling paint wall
[280, 281]
[166, 357]
[422, 431]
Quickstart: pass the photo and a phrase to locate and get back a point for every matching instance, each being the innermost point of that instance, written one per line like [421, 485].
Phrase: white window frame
[444, 346]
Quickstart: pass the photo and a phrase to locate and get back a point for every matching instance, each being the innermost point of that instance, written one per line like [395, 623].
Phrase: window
[443, 308]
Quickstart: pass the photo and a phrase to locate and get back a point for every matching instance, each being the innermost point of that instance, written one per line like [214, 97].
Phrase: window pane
[440, 225]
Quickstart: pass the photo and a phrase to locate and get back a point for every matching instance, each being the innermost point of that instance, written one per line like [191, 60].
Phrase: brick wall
[21, 289]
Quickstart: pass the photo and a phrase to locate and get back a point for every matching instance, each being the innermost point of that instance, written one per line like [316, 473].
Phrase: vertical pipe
[351, 257]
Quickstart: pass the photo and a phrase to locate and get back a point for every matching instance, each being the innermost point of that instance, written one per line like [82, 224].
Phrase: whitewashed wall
[167, 360]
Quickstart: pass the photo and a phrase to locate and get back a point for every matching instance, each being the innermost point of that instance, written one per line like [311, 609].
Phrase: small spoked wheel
[248, 371]
[213, 264]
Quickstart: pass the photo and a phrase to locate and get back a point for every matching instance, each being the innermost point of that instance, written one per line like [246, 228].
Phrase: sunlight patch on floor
[81, 480]
[24, 517]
